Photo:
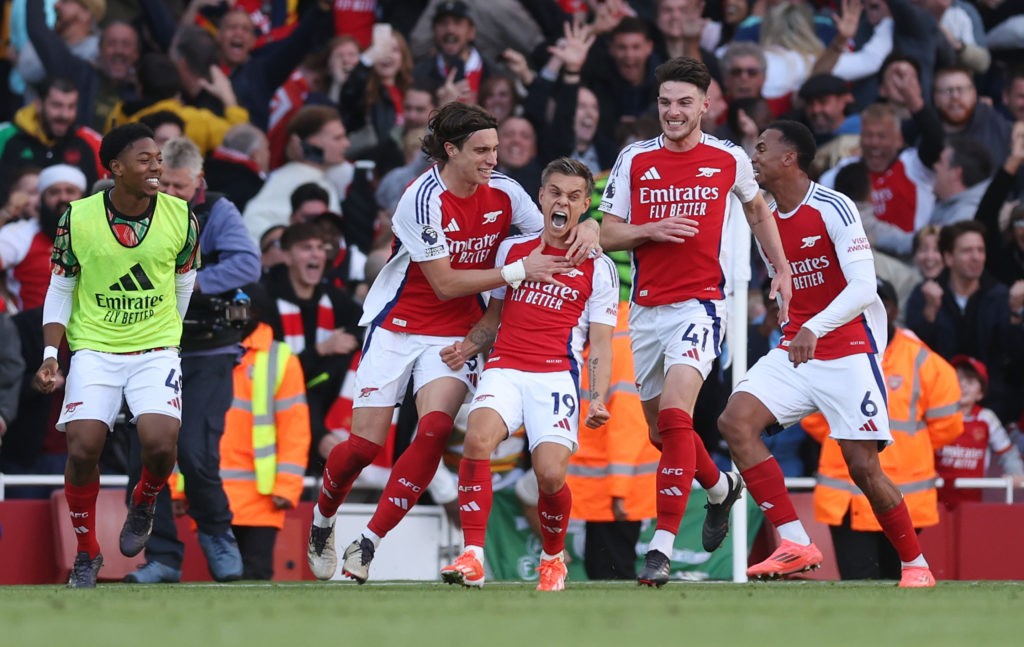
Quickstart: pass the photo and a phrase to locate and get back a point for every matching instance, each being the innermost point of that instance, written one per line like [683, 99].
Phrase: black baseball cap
[455, 8]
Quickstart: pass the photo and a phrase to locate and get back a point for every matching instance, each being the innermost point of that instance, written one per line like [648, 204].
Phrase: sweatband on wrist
[50, 352]
[514, 274]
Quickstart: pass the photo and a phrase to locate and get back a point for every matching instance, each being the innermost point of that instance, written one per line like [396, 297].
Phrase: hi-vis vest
[268, 369]
[124, 300]
[924, 414]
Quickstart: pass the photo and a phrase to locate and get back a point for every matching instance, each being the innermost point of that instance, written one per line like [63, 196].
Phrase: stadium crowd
[293, 127]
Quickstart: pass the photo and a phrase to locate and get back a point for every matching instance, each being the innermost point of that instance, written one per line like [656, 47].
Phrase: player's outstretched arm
[762, 224]
[599, 366]
[617, 234]
[478, 340]
[450, 283]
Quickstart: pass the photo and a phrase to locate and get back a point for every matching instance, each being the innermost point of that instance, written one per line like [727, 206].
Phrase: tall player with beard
[532, 376]
[668, 200]
[828, 360]
[448, 225]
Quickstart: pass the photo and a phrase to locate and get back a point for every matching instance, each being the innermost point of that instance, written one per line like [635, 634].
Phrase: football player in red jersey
[532, 375]
[447, 225]
[828, 360]
[669, 200]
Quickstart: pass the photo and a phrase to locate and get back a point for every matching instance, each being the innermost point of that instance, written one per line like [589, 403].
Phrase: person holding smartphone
[317, 143]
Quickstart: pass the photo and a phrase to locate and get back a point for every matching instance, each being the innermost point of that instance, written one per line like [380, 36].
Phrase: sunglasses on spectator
[744, 71]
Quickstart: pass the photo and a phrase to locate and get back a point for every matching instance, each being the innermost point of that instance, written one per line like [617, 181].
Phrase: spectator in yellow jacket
[924, 414]
[265, 446]
[161, 90]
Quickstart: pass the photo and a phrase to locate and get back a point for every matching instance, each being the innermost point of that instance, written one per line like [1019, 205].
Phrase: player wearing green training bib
[124, 265]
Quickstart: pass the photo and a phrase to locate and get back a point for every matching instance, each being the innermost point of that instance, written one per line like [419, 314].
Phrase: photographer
[213, 329]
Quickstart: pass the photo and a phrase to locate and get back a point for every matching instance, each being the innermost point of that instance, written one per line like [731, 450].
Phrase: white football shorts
[849, 392]
[547, 404]
[389, 360]
[689, 333]
[97, 382]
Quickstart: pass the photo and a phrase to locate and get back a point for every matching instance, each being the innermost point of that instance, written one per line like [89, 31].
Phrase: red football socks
[147, 488]
[553, 510]
[707, 472]
[344, 464]
[475, 498]
[675, 469]
[412, 472]
[82, 508]
[899, 530]
[767, 485]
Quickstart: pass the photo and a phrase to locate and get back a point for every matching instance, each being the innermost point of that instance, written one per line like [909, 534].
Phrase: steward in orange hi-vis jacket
[612, 474]
[265, 447]
[924, 414]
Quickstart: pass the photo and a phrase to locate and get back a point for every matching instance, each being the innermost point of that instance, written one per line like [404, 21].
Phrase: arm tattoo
[481, 338]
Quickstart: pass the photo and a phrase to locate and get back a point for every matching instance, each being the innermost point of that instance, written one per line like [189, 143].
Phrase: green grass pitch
[792, 614]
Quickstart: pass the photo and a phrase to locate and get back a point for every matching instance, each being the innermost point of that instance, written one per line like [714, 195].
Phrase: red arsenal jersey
[544, 326]
[821, 237]
[649, 182]
[430, 223]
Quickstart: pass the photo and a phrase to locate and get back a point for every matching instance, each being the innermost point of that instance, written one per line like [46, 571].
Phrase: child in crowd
[968, 456]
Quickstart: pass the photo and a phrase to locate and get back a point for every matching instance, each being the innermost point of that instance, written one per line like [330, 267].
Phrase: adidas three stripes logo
[126, 284]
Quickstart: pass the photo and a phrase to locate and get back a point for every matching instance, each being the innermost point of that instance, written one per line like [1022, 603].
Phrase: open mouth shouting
[559, 220]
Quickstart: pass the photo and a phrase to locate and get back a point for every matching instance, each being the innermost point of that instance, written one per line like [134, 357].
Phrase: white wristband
[514, 274]
[50, 352]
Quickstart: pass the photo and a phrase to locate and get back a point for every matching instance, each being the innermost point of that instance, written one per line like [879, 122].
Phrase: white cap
[61, 173]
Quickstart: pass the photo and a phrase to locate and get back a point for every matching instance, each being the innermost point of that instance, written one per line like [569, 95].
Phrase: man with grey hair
[744, 66]
[210, 348]
[238, 167]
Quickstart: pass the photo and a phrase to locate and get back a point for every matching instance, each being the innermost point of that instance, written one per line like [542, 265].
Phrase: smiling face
[180, 182]
[563, 199]
[518, 144]
[389, 62]
[927, 257]
[630, 52]
[235, 38]
[880, 141]
[138, 168]
[58, 111]
[955, 97]
[119, 51]
[472, 164]
[452, 35]
[826, 113]
[680, 108]
[967, 259]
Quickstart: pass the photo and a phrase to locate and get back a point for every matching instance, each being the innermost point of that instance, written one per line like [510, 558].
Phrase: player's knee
[550, 479]
[161, 451]
[730, 426]
[478, 445]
